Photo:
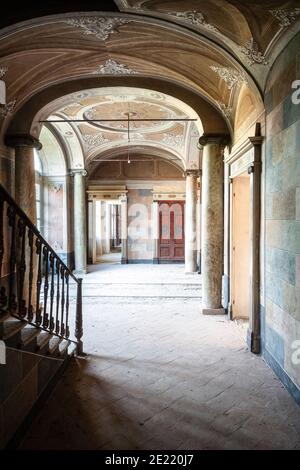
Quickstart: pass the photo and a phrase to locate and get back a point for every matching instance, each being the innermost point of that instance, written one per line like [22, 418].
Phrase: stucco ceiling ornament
[8, 108]
[195, 18]
[252, 53]
[173, 140]
[100, 27]
[93, 140]
[285, 17]
[231, 77]
[226, 110]
[112, 67]
[3, 71]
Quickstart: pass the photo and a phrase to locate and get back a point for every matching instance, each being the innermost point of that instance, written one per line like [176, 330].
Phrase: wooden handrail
[34, 265]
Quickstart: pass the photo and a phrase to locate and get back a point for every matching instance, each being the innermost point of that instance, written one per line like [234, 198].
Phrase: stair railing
[34, 281]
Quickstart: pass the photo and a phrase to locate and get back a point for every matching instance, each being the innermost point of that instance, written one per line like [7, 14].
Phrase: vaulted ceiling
[212, 50]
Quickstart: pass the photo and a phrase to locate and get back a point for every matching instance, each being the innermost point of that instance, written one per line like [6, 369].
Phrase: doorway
[104, 232]
[171, 231]
[241, 247]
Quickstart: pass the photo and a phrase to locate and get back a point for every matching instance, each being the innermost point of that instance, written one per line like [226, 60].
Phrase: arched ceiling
[212, 50]
[251, 29]
[94, 140]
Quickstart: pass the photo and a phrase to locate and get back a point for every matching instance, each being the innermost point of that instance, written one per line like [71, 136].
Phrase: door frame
[182, 204]
[249, 159]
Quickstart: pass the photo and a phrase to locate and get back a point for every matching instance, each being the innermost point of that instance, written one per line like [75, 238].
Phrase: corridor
[159, 375]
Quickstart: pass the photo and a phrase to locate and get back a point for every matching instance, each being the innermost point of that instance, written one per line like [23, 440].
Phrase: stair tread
[28, 334]
[11, 326]
[43, 338]
[54, 344]
[63, 346]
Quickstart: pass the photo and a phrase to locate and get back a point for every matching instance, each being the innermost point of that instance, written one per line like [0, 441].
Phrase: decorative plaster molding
[172, 140]
[3, 71]
[93, 140]
[112, 67]
[100, 27]
[252, 53]
[231, 76]
[7, 108]
[226, 110]
[285, 17]
[195, 18]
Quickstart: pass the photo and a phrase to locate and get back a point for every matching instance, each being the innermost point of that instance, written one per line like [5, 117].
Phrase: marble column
[80, 235]
[198, 226]
[212, 223]
[254, 330]
[124, 230]
[155, 232]
[25, 172]
[191, 221]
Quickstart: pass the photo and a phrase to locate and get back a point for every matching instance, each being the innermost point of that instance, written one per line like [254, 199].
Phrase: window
[38, 190]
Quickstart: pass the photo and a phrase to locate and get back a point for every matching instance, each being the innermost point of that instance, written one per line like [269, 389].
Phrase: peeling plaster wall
[281, 316]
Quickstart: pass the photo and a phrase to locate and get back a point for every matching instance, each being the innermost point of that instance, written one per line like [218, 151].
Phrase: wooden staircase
[40, 324]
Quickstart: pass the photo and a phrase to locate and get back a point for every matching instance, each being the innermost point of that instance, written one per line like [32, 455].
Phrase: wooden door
[171, 231]
[241, 247]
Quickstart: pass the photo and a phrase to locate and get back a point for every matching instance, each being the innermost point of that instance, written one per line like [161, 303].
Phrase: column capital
[214, 139]
[193, 172]
[22, 140]
[81, 172]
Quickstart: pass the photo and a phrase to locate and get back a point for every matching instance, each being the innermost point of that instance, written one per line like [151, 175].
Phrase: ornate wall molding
[8, 108]
[100, 27]
[195, 18]
[3, 71]
[112, 67]
[254, 56]
[285, 17]
[226, 110]
[231, 77]
[94, 140]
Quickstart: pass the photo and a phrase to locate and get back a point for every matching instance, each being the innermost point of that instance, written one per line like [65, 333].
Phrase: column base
[253, 342]
[155, 261]
[213, 311]
[124, 261]
[80, 273]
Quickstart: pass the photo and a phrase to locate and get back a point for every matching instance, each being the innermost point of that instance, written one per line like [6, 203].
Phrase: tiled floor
[159, 375]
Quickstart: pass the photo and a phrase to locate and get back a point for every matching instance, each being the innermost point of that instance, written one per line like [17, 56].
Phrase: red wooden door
[171, 231]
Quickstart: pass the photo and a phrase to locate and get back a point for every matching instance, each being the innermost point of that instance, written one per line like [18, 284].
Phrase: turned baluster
[38, 316]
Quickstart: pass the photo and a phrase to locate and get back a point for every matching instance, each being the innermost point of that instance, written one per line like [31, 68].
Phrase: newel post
[78, 326]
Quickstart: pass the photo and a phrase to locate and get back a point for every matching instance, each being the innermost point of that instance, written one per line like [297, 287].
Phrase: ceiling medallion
[112, 67]
[101, 27]
[226, 110]
[93, 140]
[285, 17]
[172, 140]
[254, 56]
[195, 18]
[231, 77]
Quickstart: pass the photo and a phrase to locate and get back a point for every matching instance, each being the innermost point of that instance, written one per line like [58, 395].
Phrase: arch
[24, 121]
[150, 149]
[51, 154]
